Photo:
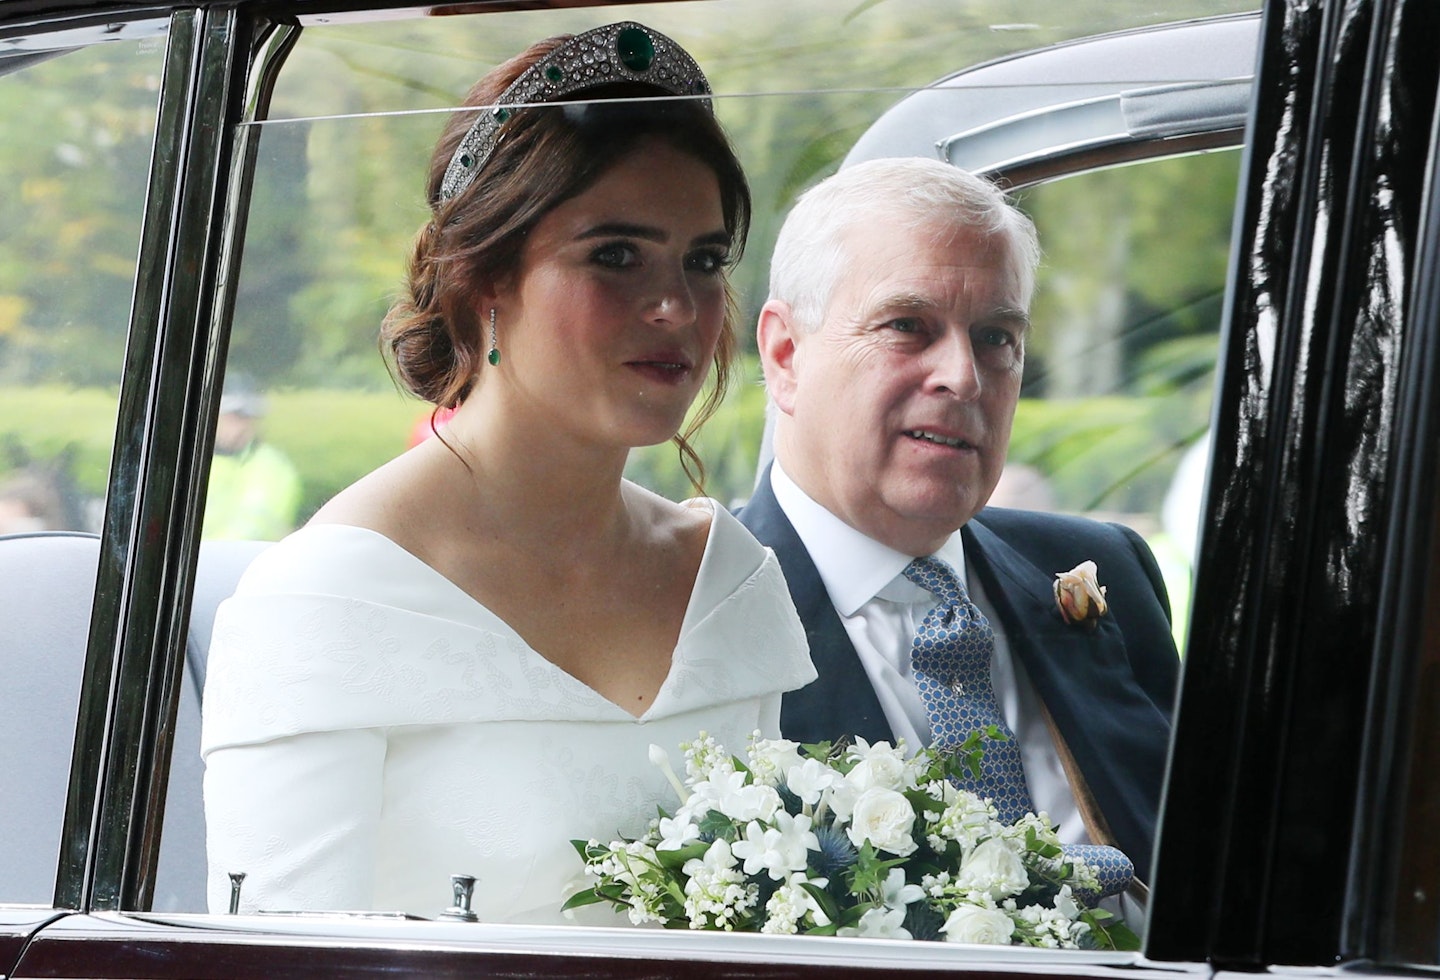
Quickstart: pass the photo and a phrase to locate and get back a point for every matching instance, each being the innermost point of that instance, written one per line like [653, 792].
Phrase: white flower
[677, 832]
[716, 893]
[717, 857]
[968, 819]
[779, 849]
[973, 924]
[706, 758]
[884, 818]
[878, 924]
[791, 904]
[811, 779]
[896, 894]
[741, 802]
[993, 869]
[772, 758]
[879, 765]
[660, 759]
[1065, 903]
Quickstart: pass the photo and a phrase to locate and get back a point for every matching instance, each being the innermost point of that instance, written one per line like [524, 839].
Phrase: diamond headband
[623, 52]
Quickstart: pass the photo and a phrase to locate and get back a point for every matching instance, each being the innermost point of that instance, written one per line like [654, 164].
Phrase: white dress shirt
[880, 609]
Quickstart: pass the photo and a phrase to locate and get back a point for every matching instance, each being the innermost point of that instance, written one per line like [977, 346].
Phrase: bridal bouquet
[848, 841]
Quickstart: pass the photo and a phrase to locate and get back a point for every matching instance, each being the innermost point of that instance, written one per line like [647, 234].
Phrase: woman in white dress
[459, 664]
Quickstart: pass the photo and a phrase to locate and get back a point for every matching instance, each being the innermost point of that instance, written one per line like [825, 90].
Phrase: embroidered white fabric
[370, 729]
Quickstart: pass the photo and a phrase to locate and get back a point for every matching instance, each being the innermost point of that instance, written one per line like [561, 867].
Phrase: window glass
[78, 124]
[1114, 415]
[1125, 315]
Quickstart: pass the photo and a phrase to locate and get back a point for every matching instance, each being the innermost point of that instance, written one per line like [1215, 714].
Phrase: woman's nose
[673, 301]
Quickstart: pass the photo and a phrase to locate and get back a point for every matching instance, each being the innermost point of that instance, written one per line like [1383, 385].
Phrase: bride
[458, 665]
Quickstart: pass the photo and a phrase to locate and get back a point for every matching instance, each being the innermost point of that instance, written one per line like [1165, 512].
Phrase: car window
[1114, 415]
[337, 198]
[78, 119]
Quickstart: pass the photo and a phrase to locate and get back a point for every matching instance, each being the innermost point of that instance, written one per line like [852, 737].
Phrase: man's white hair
[911, 192]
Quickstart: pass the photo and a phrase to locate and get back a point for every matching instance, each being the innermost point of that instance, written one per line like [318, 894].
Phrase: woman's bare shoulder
[388, 499]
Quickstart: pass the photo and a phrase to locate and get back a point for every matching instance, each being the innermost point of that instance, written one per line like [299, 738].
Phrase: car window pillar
[165, 420]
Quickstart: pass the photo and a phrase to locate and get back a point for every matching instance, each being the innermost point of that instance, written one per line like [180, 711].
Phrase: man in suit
[893, 345]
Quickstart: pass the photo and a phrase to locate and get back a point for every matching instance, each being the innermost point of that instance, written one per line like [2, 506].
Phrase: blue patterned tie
[950, 659]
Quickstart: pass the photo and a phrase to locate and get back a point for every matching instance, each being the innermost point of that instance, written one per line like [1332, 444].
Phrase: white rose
[884, 770]
[972, 924]
[994, 869]
[884, 818]
[772, 758]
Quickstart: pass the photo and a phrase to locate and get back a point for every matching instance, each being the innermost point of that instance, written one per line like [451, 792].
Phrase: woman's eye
[710, 261]
[615, 255]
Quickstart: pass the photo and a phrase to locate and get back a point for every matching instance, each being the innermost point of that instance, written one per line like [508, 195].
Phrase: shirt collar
[855, 568]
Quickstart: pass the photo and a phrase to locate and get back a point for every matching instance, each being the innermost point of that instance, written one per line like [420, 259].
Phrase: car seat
[47, 586]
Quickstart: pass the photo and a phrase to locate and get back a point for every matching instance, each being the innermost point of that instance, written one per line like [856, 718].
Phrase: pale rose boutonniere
[1080, 595]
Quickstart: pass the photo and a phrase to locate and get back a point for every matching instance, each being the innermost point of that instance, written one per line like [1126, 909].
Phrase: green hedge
[1110, 454]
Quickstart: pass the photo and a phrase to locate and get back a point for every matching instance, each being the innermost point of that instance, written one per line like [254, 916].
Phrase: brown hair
[432, 335]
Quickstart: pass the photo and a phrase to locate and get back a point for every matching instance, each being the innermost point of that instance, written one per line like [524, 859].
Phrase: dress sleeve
[299, 815]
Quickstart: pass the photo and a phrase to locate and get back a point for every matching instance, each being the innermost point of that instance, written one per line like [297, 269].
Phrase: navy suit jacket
[1109, 690]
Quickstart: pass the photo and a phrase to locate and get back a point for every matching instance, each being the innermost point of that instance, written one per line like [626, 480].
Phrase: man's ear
[777, 335]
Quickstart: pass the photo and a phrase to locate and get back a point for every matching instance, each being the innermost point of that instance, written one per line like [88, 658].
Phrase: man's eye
[710, 261]
[615, 255]
[996, 337]
[907, 324]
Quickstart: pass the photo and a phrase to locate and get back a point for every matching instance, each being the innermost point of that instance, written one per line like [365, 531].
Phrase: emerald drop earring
[494, 356]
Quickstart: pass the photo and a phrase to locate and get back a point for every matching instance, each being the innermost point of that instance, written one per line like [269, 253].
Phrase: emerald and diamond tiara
[623, 52]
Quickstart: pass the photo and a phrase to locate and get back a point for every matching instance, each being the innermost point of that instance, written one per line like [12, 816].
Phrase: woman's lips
[665, 369]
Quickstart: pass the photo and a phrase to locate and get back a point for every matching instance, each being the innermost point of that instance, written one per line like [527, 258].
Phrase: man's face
[896, 412]
[233, 432]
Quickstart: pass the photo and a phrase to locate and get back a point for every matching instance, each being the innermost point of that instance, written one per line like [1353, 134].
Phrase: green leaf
[870, 871]
[674, 860]
[824, 899]
[1118, 936]
[587, 897]
[717, 824]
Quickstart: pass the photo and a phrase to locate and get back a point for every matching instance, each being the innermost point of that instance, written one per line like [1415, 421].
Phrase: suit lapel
[841, 701]
[1023, 596]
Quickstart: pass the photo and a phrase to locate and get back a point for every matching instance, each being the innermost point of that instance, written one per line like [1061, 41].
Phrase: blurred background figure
[40, 495]
[255, 490]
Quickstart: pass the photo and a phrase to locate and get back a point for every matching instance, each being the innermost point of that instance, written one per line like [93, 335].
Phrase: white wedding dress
[370, 729]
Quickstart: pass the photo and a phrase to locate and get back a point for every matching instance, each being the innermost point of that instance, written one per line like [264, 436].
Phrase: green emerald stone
[553, 73]
[501, 114]
[636, 50]
[467, 161]
[494, 356]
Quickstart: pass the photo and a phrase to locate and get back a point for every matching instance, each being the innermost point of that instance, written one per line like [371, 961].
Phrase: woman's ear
[777, 335]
